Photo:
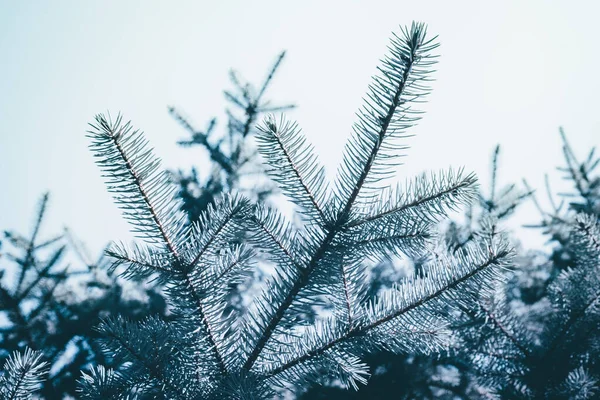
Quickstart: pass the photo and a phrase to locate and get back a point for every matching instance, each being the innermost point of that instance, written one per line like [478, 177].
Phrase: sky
[510, 72]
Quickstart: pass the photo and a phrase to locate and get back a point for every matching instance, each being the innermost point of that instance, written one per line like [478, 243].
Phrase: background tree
[233, 156]
[51, 297]
[548, 318]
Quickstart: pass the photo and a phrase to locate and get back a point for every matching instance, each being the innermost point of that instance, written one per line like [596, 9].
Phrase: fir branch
[572, 164]
[495, 258]
[231, 153]
[215, 152]
[579, 385]
[407, 53]
[215, 221]
[145, 195]
[587, 235]
[287, 301]
[573, 320]
[101, 383]
[505, 331]
[270, 76]
[346, 284]
[446, 191]
[141, 262]
[22, 375]
[286, 151]
[231, 264]
[42, 273]
[28, 260]
[385, 114]
[119, 331]
[141, 189]
[402, 236]
[271, 231]
[494, 175]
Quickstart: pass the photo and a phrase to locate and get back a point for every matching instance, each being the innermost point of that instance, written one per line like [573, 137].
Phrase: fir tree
[233, 157]
[538, 336]
[204, 351]
[33, 277]
[51, 300]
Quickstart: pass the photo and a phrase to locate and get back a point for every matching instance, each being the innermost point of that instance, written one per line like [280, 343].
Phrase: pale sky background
[510, 73]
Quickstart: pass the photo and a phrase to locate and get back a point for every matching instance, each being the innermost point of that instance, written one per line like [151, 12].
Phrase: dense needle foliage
[52, 295]
[373, 287]
[204, 351]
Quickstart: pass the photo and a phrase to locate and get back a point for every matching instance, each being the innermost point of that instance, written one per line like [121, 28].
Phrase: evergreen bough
[451, 374]
[204, 351]
[22, 375]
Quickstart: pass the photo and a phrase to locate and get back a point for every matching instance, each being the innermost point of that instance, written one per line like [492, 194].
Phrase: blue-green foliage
[538, 337]
[209, 350]
[468, 318]
[232, 152]
[22, 374]
[51, 301]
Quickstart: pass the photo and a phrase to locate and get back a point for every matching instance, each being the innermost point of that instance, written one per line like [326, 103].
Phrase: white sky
[510, 72]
